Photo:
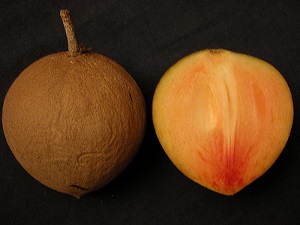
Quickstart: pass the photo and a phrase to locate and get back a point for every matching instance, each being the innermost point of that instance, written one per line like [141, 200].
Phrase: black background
[146, 38]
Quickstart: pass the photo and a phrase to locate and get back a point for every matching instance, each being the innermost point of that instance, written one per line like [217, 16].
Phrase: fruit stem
[73, 47]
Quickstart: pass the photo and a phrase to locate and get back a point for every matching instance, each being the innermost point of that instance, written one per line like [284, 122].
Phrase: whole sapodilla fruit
[223, 118]
[74, 120]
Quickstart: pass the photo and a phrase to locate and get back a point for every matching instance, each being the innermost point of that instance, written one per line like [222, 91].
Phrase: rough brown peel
[74, 122]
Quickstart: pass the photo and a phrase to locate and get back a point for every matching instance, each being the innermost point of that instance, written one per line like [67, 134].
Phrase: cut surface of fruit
[223, 118]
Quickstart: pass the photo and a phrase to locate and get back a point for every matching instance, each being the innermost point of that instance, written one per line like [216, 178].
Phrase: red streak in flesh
[227, 163]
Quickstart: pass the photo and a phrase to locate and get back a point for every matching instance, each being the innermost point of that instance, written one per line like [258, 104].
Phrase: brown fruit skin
[74, 123]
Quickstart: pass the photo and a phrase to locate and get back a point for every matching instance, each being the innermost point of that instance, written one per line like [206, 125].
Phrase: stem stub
[73, 47]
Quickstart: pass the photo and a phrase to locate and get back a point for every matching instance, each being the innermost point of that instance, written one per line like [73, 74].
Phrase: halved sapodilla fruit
[223, 118]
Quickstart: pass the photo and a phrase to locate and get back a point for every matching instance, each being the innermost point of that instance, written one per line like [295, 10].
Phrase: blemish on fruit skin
[85, 157]
[130, 97]
[78, 187]
[215, 51]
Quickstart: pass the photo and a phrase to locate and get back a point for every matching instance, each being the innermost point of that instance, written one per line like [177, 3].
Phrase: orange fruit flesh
[223, 118]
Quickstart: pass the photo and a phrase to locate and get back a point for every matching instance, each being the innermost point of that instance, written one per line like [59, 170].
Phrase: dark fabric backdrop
[146, 38]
